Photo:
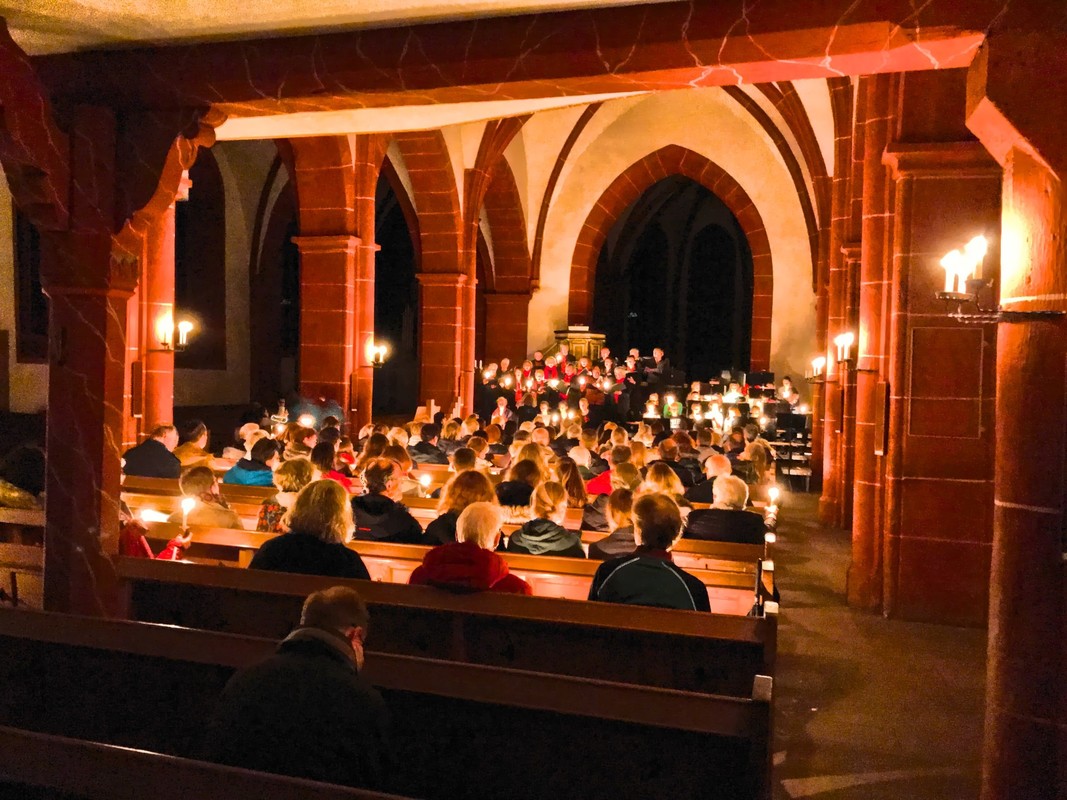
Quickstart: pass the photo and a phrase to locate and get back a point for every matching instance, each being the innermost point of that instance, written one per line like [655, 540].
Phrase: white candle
[188, 504]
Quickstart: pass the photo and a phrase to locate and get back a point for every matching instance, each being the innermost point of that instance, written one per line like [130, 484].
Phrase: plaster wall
[29, 382]
[814, 93]
[708, 122]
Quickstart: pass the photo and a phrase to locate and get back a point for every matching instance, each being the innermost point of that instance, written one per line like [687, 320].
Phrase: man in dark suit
[306, 711]
[726, 520]
[154, 457]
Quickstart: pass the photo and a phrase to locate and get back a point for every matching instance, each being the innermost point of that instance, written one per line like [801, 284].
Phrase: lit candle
[188, 504]
[774, 493]
[507, 382]
[957, 269]
[843, 342]
[486, 375]
[553, 383]
[185, 327]
[817, 365]
[581, 381]
[529, 383]
[306, 421]
[151, 515]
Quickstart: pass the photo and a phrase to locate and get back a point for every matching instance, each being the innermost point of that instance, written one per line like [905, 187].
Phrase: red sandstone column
[328, 289]
[847, 380]
[864, 584]
[506, 319]
[362, 391]
[1016, 96]
[157, 297]
[466, 376]
[87, 312]
[441, 337]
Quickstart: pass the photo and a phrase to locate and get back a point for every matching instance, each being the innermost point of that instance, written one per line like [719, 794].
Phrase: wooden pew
[169, 504]
[730, 584]
[95, 771]
[169, 486]
[21, 575]
[711, 653]
[519, 734]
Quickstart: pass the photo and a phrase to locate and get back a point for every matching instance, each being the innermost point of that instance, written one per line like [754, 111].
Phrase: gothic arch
[627, 187]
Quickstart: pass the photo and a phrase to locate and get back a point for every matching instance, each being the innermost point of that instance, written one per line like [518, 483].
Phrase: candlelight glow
[151, 515]
[306, 420]
[958, 268]
[188, 504]
[774, 493]
[818, 364]
[185, 327]
[165, 331]
[843, 343]
[424, 480]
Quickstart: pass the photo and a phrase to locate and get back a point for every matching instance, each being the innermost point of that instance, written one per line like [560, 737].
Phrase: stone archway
[628, 186]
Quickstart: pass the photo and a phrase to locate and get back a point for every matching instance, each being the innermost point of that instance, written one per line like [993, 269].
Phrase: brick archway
[631, 184]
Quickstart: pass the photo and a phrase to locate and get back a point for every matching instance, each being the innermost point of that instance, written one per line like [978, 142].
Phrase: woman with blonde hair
[544, 535]
[638, 453]
[373, 449]
[289, 479]
[320, 522]
[661, 479]
[534, 452]
[620, 540]
[572, 482]
[462, 490]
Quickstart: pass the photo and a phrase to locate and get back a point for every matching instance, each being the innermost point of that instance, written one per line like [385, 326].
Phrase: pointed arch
[631, 184]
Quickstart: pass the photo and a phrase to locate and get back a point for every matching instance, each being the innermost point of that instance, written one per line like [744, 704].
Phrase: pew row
[708, 653]
[152, 687]
[731, 583]
[95, 771]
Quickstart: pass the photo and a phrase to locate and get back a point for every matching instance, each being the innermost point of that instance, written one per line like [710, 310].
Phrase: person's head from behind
[463, 459]
[339, 610]
[580, 456]
[620, 509]
[322, 457]
[194, 431]
[331, 436]
[293, 475]
[625, 476]
[479, 524]
[450, 430]
[382, 476]
[589, 439]
[265, 452]
[375, 446]
[247, 430]
[571, 478]
[430, 433]
[532, 452]
[668, 450]
[730, 492]
[478, 445]
[255, 436]
[657, 521]
[197, 481]
[493, 432]
[638, 453]
[541, 436]
[662, 479]
[751, 432]
[466, 488]
[717, 465]
[166, 434]
[401, 456]
[526, 471]
[619, 454]
[550, 502]
[322, 510]
[328, 422]
[398, 436]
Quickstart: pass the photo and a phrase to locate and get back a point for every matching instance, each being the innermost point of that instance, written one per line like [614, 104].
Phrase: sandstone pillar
[506, 319]
[442, 320]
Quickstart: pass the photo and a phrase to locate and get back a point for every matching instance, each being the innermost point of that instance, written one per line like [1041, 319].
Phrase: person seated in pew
[727, 520]
[257, 469]
[601, 484]
[667, 451]
[373, 447]
[570, 478]
[243, 446]
[470, 563]
[620, 541]
[595, 514]
[210, 509]
[461, 491]
[648, 576]
[515, 492]
[154, 457]
[320, 523]
[192, 450]
[426, 451]
[299, 442]
[379, 514]
[480, 447]
[715, 466]
[544, 535]
[289, 479]
[660, 479]
[306, 711]
[324, 460]
[461, 460]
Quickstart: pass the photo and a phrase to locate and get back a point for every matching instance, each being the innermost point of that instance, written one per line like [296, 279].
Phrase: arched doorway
[396, 298]
[675, 271]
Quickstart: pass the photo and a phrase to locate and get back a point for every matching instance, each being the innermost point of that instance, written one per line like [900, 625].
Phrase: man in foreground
[306, 711]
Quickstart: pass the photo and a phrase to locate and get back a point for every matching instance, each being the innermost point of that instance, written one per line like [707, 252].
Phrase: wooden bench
[95, 771]
[730, 584]
[517, 734]
[711, 653]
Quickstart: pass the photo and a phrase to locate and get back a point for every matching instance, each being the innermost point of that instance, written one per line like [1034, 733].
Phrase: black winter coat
[379, 519]
[309, 555]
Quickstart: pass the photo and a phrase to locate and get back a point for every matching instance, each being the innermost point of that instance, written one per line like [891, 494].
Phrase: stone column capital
[334, 243]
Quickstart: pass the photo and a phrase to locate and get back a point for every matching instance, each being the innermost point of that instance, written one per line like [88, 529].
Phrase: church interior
[359, 209]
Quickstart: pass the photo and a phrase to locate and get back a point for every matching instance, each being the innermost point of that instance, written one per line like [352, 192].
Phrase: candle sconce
[376, 354]
[818, 370]
[173, 337]
[963, 288]
[843, 342]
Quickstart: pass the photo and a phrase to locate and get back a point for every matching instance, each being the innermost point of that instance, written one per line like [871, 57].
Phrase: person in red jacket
[471, 564]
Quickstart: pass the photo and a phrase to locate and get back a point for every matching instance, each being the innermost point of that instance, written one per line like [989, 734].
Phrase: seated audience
[373, 447]
[426, 451]
[461, 491]
[470, 564]
[601, 484]
[257, 469]
[289, 479]
[727, 520]
[210, 509]
[379, 514]
[715, 466]
[648, 576]
[572, 483]
[299, 442]
[638, 454]
[544, 535]
[667, 451]
[480, 447]
[192, 452]
[154, 457]
[324, 459]
[320, 523]
[243, 445]
[620, 541]
[462, 459]
[661, 479]
[306, 711]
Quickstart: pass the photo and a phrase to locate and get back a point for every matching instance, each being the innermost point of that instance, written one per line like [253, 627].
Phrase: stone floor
[866, 707]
